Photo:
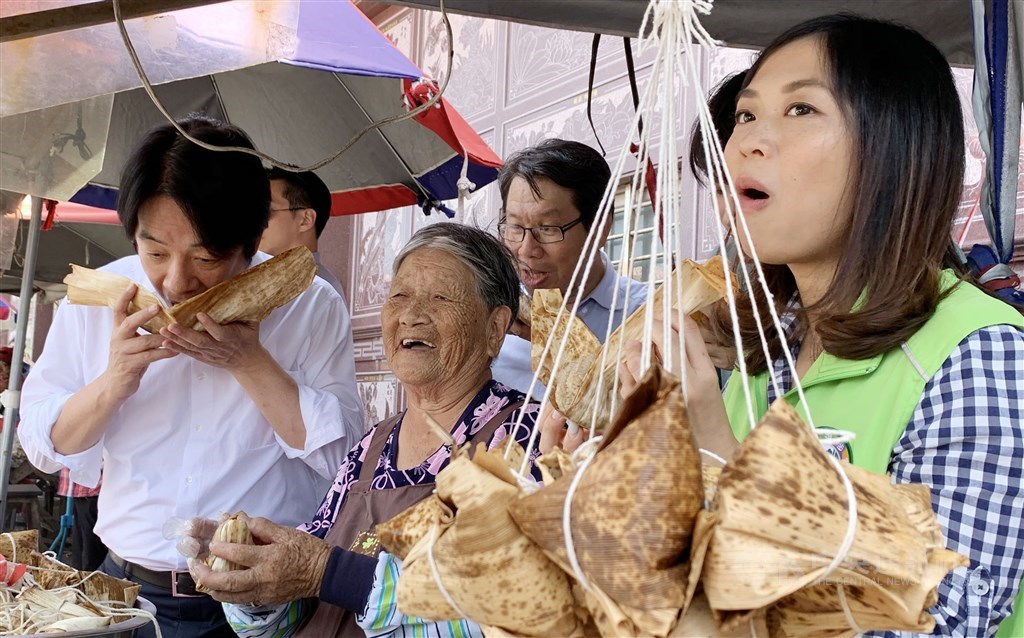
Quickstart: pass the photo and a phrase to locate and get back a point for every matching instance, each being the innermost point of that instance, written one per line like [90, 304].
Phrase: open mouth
[417, 344]
[753, 193]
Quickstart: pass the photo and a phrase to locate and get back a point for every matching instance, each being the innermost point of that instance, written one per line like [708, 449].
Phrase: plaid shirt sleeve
[966, 441]
[66, 488]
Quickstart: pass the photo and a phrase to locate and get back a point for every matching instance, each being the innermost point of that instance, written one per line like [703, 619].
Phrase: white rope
[14, 546]
[434, 532]
[527, 484]
[718, 173]
[713, 456]
[851, 526]
[580, 275]
[570, 544]
[38, 620]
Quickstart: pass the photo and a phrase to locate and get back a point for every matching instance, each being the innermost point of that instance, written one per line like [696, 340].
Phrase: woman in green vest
[847, 154]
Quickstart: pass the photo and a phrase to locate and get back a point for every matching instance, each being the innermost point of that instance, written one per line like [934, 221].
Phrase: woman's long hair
[902, 109]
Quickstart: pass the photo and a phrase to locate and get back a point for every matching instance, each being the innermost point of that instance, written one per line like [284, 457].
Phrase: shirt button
[980, 587]
[201, 376]
[188, 479]
[199, 428]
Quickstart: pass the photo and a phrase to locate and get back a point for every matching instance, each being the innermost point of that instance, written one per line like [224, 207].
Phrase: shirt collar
[605, 289]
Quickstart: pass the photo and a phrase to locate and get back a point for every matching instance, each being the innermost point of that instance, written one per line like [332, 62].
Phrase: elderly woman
[453, 297]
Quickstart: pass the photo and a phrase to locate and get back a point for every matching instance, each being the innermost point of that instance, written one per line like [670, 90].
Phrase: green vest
[875, 398]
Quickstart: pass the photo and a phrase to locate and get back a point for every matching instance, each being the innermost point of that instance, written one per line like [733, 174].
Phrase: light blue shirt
[512, 367]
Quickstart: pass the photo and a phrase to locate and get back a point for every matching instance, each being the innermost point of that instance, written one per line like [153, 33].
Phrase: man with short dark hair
[300, 207]
[185, 423]
[550, 195]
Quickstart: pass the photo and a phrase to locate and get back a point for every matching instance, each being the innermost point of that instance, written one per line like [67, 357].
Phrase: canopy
[302, 78]
[739, 23]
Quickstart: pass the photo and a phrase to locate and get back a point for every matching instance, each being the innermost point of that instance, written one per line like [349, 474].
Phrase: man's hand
[284, 565]
[131, 352]
[231, 346]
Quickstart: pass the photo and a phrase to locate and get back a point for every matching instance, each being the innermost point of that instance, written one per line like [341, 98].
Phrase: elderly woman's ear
[499, 320]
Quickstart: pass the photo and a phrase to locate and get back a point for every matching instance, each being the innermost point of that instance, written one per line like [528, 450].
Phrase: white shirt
[190, 442]
[324, 273]
[513, 366]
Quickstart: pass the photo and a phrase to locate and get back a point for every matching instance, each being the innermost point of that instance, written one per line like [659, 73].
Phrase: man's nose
[530, 245]
[179, 279]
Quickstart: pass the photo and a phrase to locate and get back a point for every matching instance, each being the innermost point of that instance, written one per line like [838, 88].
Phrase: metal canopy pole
[12, 399]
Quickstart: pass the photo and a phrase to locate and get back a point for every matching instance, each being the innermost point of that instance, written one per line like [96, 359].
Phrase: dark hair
[224, 195]
[489, 259]
[305, 190]
[722, 105]
[569, 164]
[901, 107]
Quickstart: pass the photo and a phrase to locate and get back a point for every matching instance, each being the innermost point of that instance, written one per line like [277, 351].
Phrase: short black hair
[305, 190]
[571, 165]
[224, 195]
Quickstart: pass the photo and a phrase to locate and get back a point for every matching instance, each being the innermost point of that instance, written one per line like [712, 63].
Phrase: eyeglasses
[541, 234]
[281, 210]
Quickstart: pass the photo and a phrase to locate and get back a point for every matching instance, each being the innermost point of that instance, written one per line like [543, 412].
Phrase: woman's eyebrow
[795, 85]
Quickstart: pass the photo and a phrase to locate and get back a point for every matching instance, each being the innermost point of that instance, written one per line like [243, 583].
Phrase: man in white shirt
[550, 195]
[300, 207]
[240, 416]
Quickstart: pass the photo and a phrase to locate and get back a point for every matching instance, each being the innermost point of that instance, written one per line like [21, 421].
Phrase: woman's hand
[555, 430]
[284, 565]
[231, 346]
[723, 355]
[705, 408]
[131, 353]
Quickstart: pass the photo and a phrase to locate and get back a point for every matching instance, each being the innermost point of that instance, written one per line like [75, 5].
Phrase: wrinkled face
[791, 158]
[284, 227]
[436, 327]
[177, 265]
[544, 265]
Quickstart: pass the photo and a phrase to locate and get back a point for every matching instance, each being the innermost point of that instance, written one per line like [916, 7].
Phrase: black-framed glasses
[293, 208]
[541, 234]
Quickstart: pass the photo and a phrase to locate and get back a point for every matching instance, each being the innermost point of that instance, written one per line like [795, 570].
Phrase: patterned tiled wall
[516, 85]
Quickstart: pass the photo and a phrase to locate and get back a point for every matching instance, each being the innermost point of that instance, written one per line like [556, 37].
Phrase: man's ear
[308, 220]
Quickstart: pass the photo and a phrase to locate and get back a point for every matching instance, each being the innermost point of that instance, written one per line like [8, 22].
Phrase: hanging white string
[715, 158]
[711, 455]
[570, 544]
[674, 27]
[434, 533]
[581, 273]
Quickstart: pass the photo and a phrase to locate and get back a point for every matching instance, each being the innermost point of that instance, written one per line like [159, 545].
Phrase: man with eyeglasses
[550, 195]
[300, 206]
